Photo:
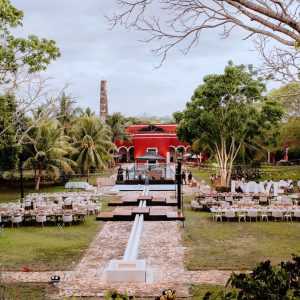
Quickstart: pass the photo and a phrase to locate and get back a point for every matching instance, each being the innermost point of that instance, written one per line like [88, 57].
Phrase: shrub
[266, 282]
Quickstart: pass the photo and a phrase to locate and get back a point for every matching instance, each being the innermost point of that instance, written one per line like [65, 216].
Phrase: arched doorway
[172, 154]
[180, 151]
[123, 154]
[131, 153]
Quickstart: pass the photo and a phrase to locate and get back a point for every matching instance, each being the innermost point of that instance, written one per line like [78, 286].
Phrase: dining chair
[252, 214]
[40, 219]
[277, 214]
[16, 220]
[68, 219]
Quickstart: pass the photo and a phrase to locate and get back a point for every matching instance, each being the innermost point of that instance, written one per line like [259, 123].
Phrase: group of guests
[189, 177]
[120, 174]
[142, 177]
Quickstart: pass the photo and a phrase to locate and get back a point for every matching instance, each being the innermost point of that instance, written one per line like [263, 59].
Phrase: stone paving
[160, 247]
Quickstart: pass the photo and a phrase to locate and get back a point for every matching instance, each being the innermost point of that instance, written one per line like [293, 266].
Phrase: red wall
[160, 140]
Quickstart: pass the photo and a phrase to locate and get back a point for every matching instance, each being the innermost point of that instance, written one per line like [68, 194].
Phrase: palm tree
[66, 113]
[93, 143]
[118, 125]
[50, 151]
[87, 112]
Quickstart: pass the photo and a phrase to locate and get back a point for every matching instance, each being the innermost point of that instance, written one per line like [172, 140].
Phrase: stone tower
[103, 101]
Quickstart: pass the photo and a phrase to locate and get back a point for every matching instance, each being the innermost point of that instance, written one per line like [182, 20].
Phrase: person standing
[120, 173]
[127, 173]
[298, 185]
[146, 179]
[140, 177]
[183, 176]
[212, 179]
[190, 177]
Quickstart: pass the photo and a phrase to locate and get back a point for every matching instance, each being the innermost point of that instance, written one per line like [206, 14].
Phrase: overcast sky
[91, 52]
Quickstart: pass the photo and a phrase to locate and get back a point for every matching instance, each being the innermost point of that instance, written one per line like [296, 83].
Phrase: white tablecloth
[77, 185]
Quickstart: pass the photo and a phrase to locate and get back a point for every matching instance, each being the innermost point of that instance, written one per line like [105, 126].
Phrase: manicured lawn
[201, 174]
[11, 192]
[280, 172]
[25, 291]
[234, 245]
[199, 291]
[267, 172]
[47, 248]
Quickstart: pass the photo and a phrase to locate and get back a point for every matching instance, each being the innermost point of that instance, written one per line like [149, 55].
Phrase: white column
[168, 157]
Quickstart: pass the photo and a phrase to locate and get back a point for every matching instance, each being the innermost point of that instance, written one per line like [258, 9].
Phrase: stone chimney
[103, 101]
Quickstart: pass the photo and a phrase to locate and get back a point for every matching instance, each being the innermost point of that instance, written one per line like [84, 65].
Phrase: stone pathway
[160, 247]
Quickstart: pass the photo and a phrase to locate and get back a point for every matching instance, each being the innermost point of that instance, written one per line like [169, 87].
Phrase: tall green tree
[51, 152]
[93, 143]
[289, 97]
[8, 148]
[16, 54]
[118, 124]
[87, 112]
[66, 113]
[225, 111]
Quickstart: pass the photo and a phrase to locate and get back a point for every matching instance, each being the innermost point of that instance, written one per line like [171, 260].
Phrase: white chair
[27, 205]
[287, 216]
[68, 219]
[242, 215]
[228, 198]
[264, 216]
[195, 205]
[16, 220]
[89, 208]
[68, 203]
[297, 214]
[229, 214]
[218, 216]
[251, 213]
[224, 204]
[263, 200]
[41, 219]
[277, 214]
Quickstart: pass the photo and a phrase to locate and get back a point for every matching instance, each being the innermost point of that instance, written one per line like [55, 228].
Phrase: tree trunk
[38, 180]
[223, 173]
[88, 175]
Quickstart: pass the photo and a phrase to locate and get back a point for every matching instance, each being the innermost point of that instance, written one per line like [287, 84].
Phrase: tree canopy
[8, 149]
[16, 53]
[224, 112]
[93, 143]
[50, 152]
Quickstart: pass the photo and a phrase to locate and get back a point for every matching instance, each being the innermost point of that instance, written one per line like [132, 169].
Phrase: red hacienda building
[160, 139]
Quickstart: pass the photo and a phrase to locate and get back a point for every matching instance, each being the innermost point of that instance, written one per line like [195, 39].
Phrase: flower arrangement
[167, 295]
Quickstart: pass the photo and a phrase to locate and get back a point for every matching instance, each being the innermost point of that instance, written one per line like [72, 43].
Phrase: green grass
[267, 172]
[10, 192]
[199, 291]
[280, 172]
[201, 174]
[48, 248]
[25, 291]
[233, 245]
